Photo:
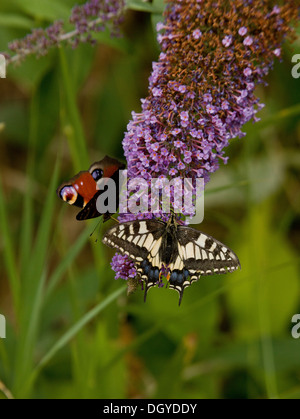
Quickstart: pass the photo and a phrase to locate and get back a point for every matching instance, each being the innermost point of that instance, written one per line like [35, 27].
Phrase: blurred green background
[72, 332]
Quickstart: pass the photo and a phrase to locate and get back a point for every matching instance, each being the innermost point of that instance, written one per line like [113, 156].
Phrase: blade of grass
[4, 357]
[279, 116]
[143, 7]
[32, 287]
[225, 187]
[39, 253]
[66, 262]
[74, 330]
[14, 20]
[5, 391]
[79, 325]
[31, 335]
[27, 216]
[76, 137]
[9, 254]
[257, 248]
[134, 344]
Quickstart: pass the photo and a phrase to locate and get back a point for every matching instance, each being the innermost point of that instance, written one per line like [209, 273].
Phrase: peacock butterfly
[81, 190]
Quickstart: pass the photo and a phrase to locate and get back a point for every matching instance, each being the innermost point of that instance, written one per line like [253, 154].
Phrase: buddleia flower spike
[201, 93]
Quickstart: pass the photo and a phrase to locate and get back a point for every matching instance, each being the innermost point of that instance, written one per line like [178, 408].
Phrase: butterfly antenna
[97, 225]
[107, 217]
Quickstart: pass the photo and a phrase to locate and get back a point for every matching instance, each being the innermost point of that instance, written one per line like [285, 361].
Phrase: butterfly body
[180, 253]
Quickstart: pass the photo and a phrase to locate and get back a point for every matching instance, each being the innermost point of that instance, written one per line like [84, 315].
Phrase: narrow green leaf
[45, 226]
[76, 136]
[11, 20]
[133, 345]
[157, 16]
[225, 187]
[27, 215]
[8, 252]
[32, 292]
[31, 336]
[46, 9]
[143, 7]
[66, 262]
[72, 332]
[279, 116]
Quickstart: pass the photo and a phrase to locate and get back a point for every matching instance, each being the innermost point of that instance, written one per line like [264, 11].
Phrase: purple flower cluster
[201, 91]
[39, 41]
[123, 267]
[93, 16]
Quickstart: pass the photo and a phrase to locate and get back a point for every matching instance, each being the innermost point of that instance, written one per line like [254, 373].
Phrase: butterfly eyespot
[180, 278]
[173, 277]
[68, 194]
[97, 174]
[176, 278]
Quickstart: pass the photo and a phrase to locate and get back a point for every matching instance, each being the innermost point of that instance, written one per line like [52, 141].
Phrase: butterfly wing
[194, 253]
[82, 190]
[200, 254]
[140, 240]
[109, 166]
[78, 190]
[90, 210]
[105, 168]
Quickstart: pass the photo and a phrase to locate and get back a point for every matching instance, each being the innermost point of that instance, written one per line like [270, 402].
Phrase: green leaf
[77, 143]
[66, 262]
[12, 20]
[264, 306]
[72, 332]
[28, 202]
[278, 117]
[33, 279]
[46, 9]
[235, 355]
[9, 255]
[267, 294]
[32, 70]
[143, 7]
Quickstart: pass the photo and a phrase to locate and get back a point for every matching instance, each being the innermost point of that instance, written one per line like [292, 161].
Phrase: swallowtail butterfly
[82, 191]
[156, 246]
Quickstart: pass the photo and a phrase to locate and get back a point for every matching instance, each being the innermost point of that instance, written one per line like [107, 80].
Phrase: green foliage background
[71, 330]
